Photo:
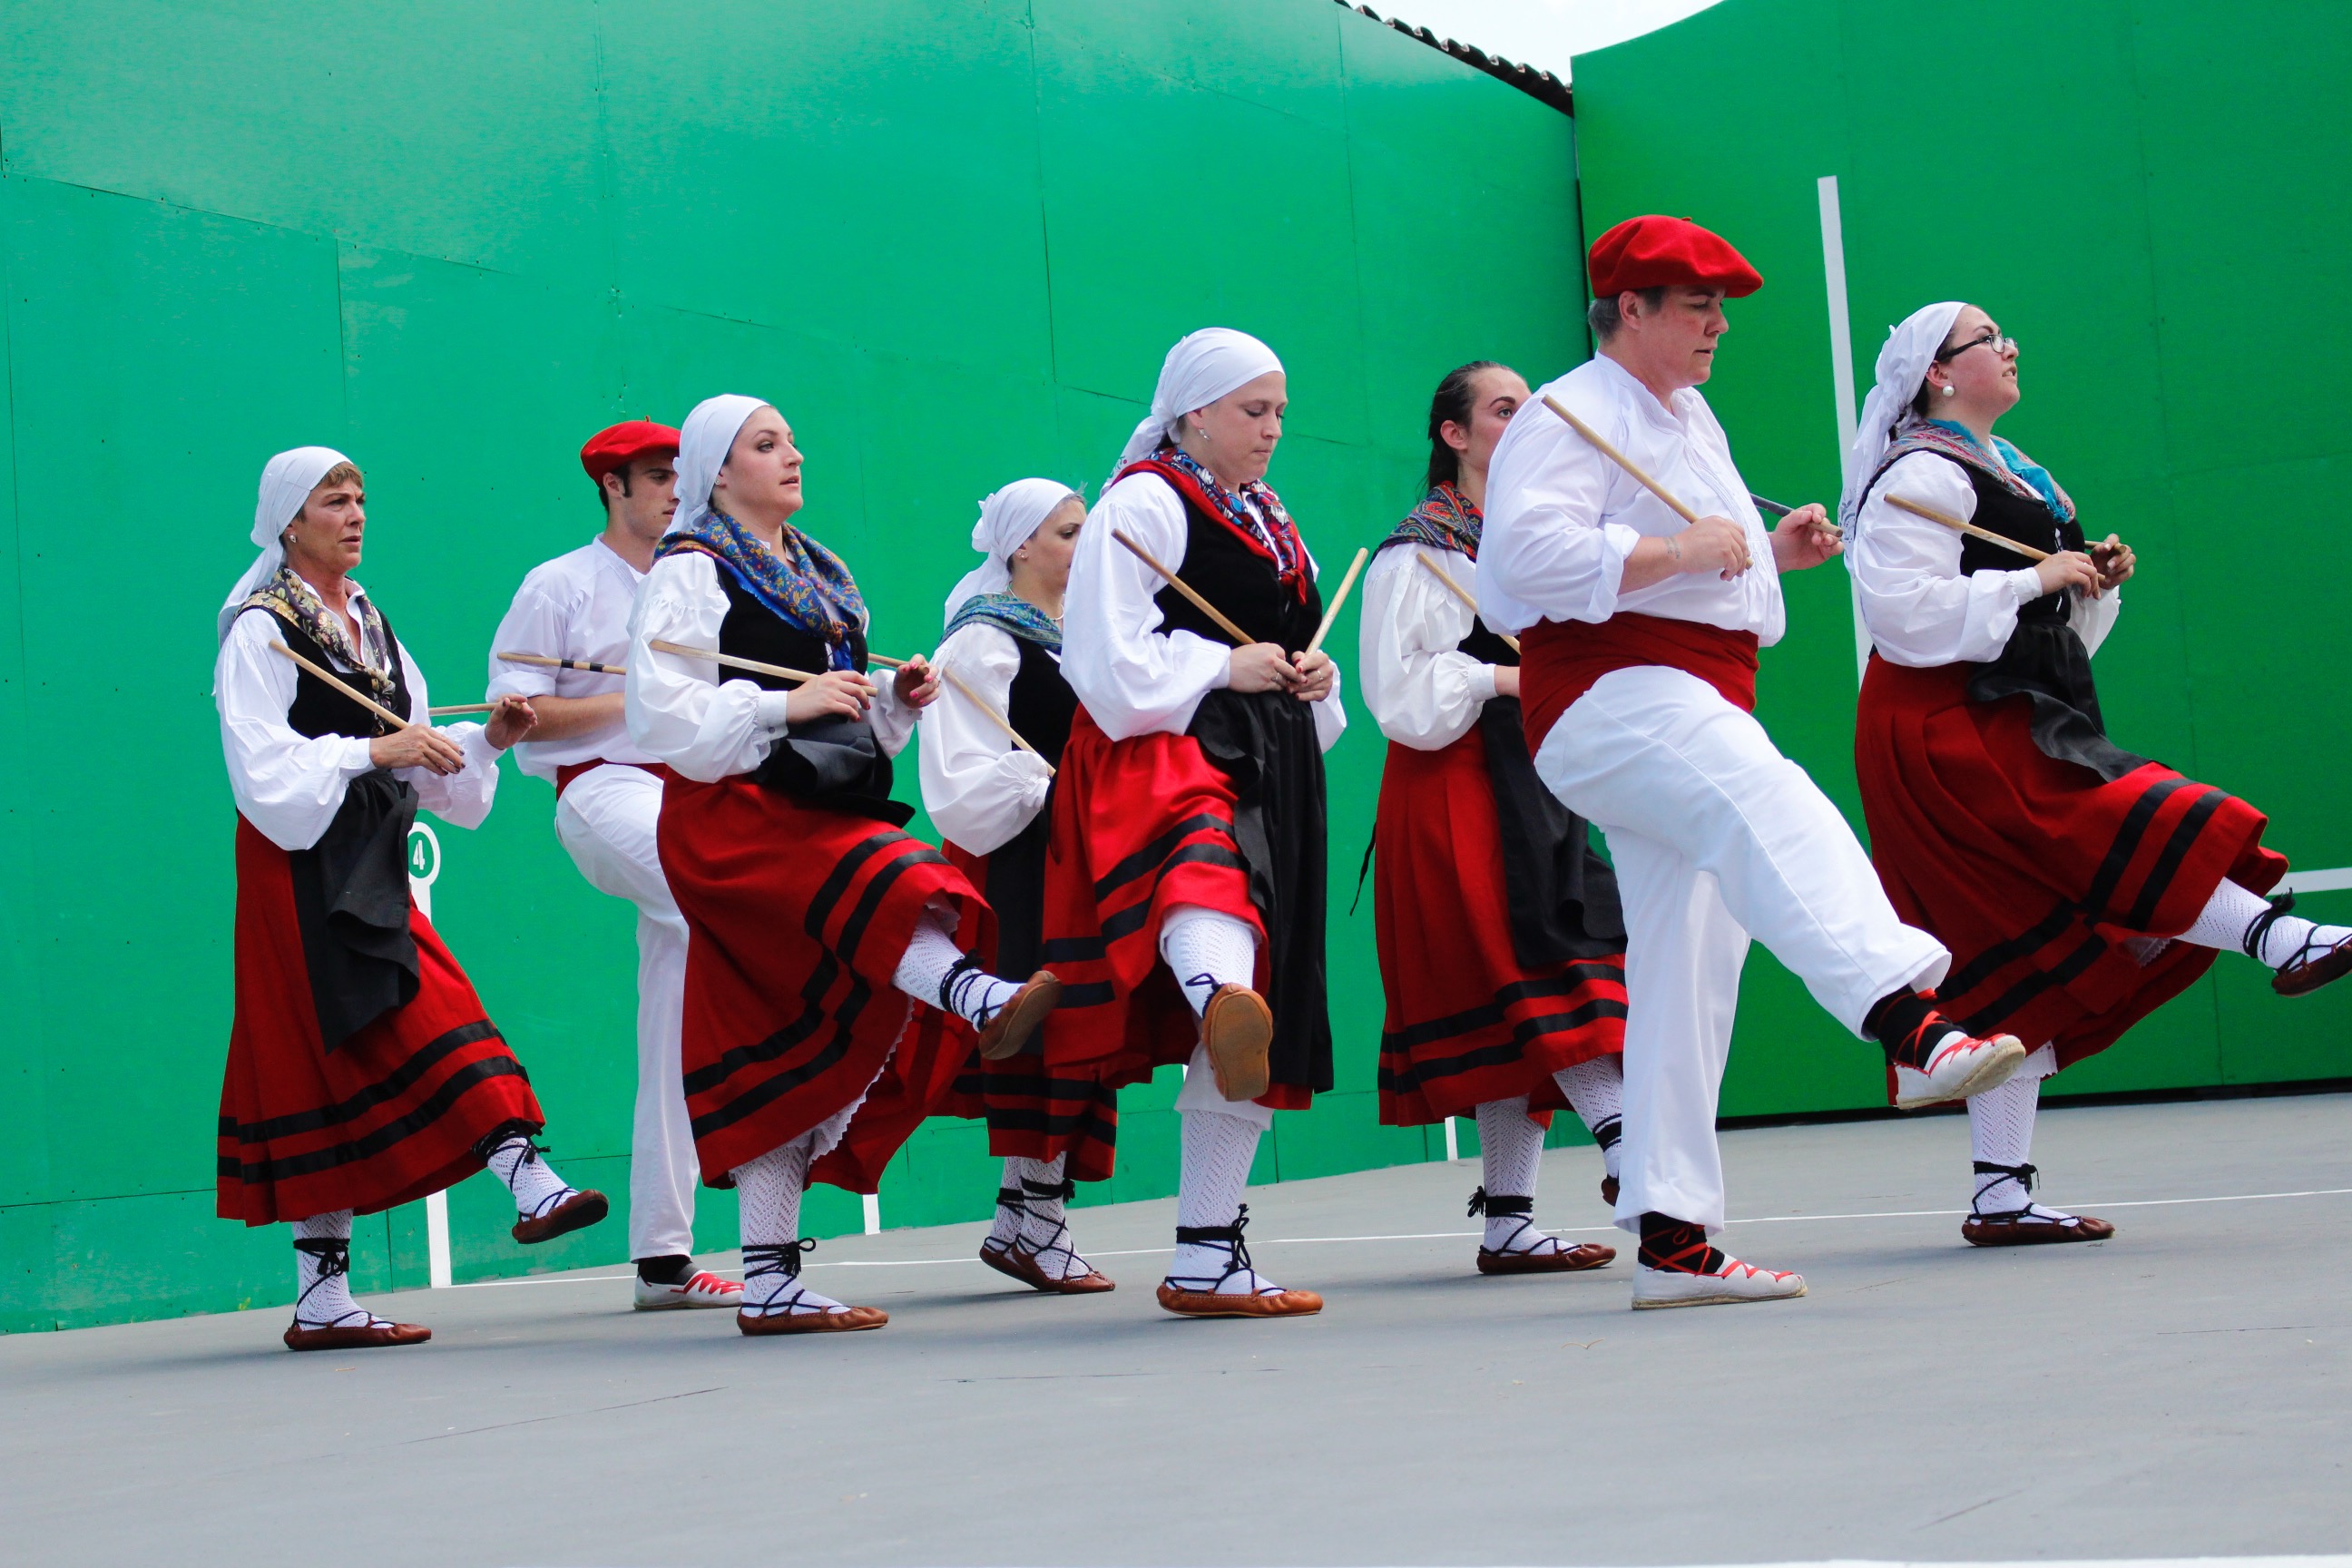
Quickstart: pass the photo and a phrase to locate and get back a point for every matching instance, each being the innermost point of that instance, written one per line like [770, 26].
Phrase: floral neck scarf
[2013, 468]
[1013, 614]
[805, 584]
[299, 603]
[1274, 536]
[1445, 520]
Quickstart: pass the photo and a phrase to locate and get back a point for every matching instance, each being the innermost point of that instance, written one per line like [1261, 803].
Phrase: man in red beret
[608, 797]
[1640, 630]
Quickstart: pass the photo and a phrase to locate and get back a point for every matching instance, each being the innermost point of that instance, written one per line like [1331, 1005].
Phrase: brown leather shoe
[1019, 1017]
[577, 1212]
[2302, 979]
[842, 1322]
[1022, 1264]
[1236, 1027]
[1609, 1191]
[2013, 1230]
[355, 1337]
[1566, 1260]
[1209, 1304]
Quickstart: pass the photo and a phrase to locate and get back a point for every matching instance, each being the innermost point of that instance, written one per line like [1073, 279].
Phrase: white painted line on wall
[1842, 372]
[424, 851]
[1452, 1141]
[873, 1204]
[2326, 881]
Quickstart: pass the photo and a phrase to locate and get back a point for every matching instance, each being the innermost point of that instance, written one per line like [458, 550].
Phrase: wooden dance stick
[347, 689]
[999, 720]
[463, 708]
[1773, 506]
[546, 663]
[1363, 554]
[1986, 534]
[1623, 461]
[1241, 639]
[728, 660]
[1468, 603]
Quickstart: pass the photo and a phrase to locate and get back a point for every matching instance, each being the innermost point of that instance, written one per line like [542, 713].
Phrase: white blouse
[575, 607]
[289, 785]
[1134, 679]
[688, 712]
[979, 789]
[1920, 609]
[1561, 518]
[1423, 689]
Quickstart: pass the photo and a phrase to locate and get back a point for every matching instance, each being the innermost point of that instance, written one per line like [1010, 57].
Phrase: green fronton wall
[2147, 195]
[952, 239]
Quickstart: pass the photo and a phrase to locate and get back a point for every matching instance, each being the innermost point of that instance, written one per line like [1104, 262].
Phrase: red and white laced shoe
[1962, 1066]
[699, 1288]
[1733, 1282]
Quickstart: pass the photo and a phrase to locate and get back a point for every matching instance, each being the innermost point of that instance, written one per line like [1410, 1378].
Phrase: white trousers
[1715, 837]
[607, 819]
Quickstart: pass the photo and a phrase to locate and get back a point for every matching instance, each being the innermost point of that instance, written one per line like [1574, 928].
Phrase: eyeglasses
[1999, 345]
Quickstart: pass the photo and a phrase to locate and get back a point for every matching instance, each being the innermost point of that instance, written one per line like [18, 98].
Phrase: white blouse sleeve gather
[678, 709]
[1423, 689]
[289, 785]
[893, 721]
[462, 799]
[1920, 610]
[1134, 679]
[979, 789]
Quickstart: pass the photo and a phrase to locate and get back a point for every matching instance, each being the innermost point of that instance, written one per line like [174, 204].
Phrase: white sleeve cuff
[768, 711]
[355, 760]
[2026, 583]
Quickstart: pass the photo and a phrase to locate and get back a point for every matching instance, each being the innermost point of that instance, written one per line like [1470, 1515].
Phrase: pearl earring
[1949, 389]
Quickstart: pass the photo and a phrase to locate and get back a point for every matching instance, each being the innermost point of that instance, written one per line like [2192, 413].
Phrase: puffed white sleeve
[1919, 608]
[1544, 552]
[288, 785]
[979, 789]
[677, 708]
[1133, 678]
[534, 622]
[1423, 689]
[2095, 618]
[461, 799]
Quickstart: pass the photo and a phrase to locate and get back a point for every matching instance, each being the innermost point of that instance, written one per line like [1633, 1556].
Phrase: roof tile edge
[1539, 85]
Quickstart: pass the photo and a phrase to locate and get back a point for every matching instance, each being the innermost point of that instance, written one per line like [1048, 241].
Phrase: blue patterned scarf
[2015, 470]
[1445, 520]
[1013, 614]
[806, 585]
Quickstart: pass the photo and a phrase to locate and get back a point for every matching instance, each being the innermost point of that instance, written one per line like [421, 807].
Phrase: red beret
[1653, 252]
[610, 450]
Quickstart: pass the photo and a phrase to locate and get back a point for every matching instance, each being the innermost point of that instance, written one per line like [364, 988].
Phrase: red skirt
[392, 1115]
[2055, 889]
[796, 919]
[1465, 1024]
[1034, 1111]
[1140, 825]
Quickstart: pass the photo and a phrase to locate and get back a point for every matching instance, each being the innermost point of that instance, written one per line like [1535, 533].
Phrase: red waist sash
[566, 771]
[1560, 660]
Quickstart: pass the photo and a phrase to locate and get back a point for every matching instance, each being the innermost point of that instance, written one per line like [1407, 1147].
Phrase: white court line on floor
[1585, 1230]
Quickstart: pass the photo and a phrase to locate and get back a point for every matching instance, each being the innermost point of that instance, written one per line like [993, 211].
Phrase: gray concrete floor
[2179, 1391]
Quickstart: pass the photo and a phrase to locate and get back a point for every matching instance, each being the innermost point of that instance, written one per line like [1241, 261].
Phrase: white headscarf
[1902, 371]
[702, 444]
[1007, 519]
[1203, 367]
[286, 483]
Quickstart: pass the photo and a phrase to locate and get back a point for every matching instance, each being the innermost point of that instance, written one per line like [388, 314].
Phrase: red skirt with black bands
[797, 918]
[1140, 825]
[2055, 889]
[1465, 1024]
[1033, 1111]
[390, 1115]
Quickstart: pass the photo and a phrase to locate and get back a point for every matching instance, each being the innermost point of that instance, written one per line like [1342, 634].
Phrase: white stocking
[321, 1275]
[1596, 1088]
[936, 972]
[1510, 1152]
[1045, 1233]
[2232, 911]
[532, 1181]
[2001, 1132]
[1218, 1149]
[768, 1196]
[1011, 1205]
[1205, 949]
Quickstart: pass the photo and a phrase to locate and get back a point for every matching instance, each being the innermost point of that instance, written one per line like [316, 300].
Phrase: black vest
[350, 888]
[833, 763]
[1240, 582]
[2003, 511]
[1041, 707]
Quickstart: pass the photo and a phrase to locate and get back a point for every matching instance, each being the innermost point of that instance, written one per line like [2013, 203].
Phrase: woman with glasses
[2078, 886]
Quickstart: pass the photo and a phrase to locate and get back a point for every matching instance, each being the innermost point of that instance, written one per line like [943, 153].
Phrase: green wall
[2142, 197]
[952, 239]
